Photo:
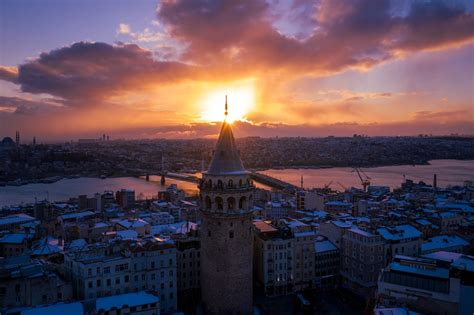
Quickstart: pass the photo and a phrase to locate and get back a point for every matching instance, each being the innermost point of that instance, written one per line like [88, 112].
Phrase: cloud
[87, 73]
[357, 34]
[123, 29]
[444, 115]
[18, 105]
[9, 74]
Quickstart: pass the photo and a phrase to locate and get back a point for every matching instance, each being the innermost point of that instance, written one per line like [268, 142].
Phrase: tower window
[231, 203]
[231, 234]
[242, 203]
[209, 233]
[219, 203]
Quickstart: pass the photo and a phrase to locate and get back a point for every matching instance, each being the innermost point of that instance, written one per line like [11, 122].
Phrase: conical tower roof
[226, 158]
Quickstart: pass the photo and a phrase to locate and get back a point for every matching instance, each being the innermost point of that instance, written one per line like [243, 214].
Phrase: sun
[240, 99]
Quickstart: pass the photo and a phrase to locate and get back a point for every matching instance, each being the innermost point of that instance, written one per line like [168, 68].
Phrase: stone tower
[226, 192]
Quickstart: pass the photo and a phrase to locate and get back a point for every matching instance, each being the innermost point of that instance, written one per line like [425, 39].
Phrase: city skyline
[152, 69]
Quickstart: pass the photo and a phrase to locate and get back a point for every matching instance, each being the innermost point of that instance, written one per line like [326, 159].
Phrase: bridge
[257, 177]
[272, 182]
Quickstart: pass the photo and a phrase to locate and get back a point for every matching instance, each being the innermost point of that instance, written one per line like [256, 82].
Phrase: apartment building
[125, 266]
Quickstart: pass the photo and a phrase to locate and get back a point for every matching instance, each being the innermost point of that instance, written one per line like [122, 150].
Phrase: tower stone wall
[226, 194]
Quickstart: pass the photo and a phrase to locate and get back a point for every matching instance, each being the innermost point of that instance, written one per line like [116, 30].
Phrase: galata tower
[226, 193]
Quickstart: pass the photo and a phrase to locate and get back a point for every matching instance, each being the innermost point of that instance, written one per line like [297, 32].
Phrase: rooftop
[226, 158]
[443, 241]
[399, 232]
[129, 299]
[324, 246]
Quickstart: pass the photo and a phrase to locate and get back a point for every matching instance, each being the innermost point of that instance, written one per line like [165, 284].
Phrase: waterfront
[449, 172]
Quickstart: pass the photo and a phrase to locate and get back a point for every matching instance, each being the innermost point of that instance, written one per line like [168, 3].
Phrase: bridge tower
[226, 193]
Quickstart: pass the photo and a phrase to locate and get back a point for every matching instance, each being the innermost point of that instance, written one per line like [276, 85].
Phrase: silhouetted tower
[17, 137]
[163, 172]
[34, 140]
[226, 193]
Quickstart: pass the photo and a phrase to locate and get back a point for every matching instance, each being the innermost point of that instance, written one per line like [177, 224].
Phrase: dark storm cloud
[18, 105]
[357, 33]
[87, 72]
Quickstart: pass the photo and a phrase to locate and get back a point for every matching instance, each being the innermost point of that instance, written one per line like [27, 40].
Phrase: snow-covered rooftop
[399, 232]
[324, 246]
[129, 299]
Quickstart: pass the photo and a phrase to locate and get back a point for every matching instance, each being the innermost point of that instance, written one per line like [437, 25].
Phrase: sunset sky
[145, 69]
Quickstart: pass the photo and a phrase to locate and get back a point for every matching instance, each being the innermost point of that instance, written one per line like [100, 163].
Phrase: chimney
[435, 181]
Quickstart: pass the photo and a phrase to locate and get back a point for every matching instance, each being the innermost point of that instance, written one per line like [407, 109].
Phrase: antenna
[225, 113]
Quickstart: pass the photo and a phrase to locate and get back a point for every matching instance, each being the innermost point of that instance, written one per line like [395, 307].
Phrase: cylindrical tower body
[226, 193]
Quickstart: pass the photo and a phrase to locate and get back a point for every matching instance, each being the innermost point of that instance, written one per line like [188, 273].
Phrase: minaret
[226, 193]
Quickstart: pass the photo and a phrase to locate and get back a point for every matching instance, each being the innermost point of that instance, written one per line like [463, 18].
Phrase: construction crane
[327, 185]
[364, 181]
[343, 187]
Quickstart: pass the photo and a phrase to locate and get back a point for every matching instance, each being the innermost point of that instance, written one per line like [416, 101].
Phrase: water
[66, 188]
[450, 172]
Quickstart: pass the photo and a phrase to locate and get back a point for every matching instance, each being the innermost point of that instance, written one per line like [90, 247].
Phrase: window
[89, 272]
[231, 234]
[90, 285]
[126, 278]
[121, 267]
[117, 281]
[98, 283]
[108, 282]
[107, 269]
[219, 203]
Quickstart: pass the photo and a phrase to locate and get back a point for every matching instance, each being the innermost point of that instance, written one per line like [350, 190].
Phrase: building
[310, 200]
[304, 259]
[448, 221]
[274, 261]
[326, 264]
[123, 267]
[401, 239]
[276, 210]
[14, 244]
[140, 226]
[226, 193]
[137, 303]
[93, 203]
[334, 230]
[28, 283]
[188, 257]
[448, 243]
[125, 198]
[335, 206]
[429, 286]
[12, 222]
[363, 256]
